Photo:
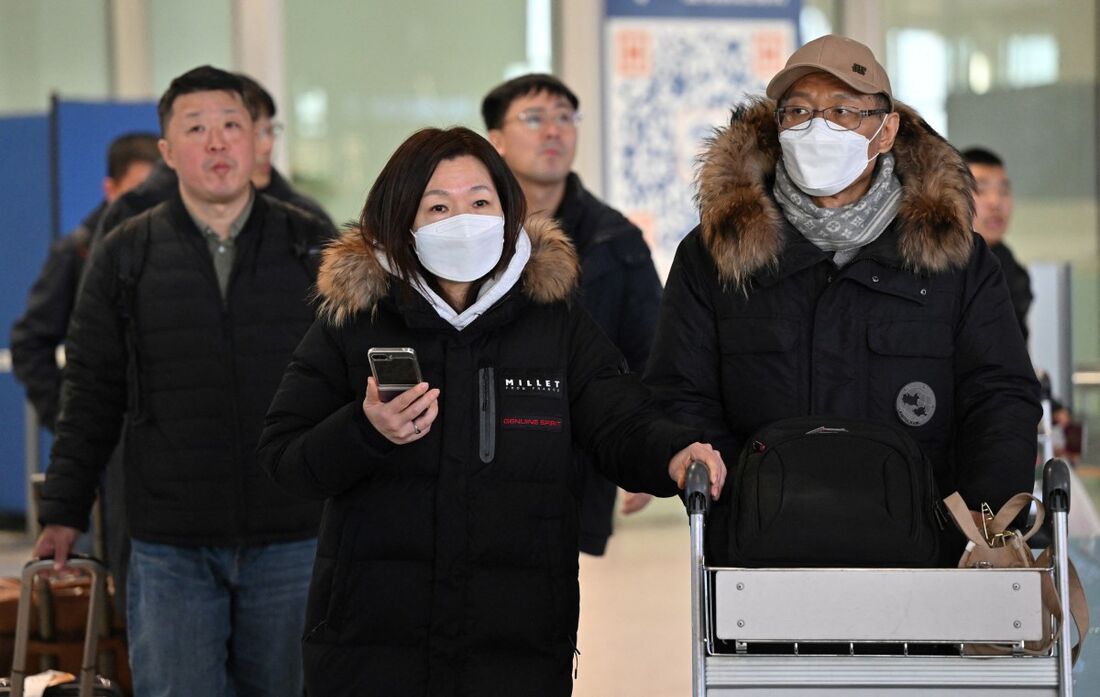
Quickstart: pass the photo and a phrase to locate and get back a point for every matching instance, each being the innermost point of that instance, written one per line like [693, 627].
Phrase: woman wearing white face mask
[447, 560]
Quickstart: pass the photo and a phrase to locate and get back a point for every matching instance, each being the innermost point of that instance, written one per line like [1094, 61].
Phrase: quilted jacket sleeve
[316, 440]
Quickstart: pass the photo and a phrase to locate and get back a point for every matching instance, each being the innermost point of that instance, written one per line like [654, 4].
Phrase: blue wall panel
[84, 130]
[25, 230]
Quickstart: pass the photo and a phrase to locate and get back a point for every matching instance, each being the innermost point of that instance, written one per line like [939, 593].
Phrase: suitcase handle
[97, 600]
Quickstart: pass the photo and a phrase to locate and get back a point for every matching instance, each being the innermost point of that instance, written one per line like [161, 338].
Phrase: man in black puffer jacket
[835, 273]
[187, 317]
[161, 185]
[532, 122]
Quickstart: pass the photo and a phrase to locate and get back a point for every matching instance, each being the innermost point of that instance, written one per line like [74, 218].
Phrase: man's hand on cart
[677, 466]
[56, 541]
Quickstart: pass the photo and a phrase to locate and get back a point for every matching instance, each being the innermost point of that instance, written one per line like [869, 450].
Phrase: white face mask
[461, 248]
[823, 162]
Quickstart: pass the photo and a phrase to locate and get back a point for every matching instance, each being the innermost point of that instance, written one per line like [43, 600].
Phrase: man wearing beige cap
[835, 272]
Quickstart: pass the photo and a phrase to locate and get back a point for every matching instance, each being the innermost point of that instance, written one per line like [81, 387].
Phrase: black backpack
[828, 491]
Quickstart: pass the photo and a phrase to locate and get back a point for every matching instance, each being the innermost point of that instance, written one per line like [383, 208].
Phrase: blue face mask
[461, 248]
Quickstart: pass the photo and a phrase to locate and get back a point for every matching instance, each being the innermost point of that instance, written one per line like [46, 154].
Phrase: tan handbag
[998, 547]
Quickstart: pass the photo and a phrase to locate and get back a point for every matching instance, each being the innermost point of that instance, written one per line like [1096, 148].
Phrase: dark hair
[205, 78]
[981, 156]
[256, 98]
[496, 103]
[129, 148]
[394, 199]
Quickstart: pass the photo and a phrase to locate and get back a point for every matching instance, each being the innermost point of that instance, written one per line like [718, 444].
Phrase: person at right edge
[835, 272]
[993, 206]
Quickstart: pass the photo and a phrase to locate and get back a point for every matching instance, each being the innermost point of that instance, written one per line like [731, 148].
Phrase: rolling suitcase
[87, 684]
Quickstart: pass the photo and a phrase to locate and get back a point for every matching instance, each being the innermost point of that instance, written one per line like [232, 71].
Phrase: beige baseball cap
[845, 59]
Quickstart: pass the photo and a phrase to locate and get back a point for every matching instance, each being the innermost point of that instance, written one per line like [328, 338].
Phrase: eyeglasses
[537, 119]
[272, 131]
[838, 118]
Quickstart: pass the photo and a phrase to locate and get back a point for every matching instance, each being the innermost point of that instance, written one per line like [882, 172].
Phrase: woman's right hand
[405, 418]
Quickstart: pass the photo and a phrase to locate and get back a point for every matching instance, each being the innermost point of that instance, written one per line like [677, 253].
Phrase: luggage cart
[874, 631]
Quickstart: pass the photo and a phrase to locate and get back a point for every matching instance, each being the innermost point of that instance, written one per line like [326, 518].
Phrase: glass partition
[1019, 77]
[52, 46]
[362, 76]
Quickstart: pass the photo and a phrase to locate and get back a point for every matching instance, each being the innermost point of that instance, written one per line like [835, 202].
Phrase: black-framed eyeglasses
[838, 118]
[537, 119]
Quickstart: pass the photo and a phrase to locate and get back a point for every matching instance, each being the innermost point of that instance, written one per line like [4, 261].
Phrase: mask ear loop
[875, 135]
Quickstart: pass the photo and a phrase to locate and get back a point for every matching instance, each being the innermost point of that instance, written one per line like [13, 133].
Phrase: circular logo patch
[916, 403]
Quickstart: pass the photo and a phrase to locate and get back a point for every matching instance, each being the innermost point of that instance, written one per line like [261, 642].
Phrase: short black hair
[129, 148]
[496, 103]
[205, 78]
[981, 156]
[256, 98]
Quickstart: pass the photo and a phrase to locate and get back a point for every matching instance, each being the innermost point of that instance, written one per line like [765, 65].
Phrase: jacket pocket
[917, 339]
[340, 582]
[743, 335]
[761, 352]
[487, 414]
[911, 374]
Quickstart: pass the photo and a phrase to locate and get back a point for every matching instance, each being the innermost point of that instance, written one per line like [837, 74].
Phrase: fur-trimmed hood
[352, 279]
[743, 229]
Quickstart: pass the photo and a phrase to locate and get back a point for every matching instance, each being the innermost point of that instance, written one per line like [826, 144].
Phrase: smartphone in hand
[395, 370]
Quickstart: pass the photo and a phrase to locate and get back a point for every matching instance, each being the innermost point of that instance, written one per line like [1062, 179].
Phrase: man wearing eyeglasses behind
[835, 272]
[532, 121]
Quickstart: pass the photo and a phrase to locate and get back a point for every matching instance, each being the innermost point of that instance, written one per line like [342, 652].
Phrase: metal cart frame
[867, 631]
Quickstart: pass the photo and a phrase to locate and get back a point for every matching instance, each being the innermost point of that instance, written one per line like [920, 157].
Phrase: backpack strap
[131, 263]
[305, 246]
[960, 513]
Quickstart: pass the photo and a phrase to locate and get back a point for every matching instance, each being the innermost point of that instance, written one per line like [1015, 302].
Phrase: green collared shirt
[224, 251]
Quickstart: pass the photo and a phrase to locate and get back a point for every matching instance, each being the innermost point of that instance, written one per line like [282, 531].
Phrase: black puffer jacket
[449, 566]
[36, 335]
[199, 381]
[758, 324]
[1019, 283]
[620, 289]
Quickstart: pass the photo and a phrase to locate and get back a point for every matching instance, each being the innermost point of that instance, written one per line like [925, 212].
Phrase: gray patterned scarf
[846, 229]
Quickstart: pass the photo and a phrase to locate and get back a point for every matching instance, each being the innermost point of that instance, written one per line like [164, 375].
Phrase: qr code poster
[669, 83]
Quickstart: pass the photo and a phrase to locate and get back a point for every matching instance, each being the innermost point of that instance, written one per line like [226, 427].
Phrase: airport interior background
[353, 78]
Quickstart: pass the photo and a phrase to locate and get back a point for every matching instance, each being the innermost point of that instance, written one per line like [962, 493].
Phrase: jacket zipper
[229, 339]
[487, 411]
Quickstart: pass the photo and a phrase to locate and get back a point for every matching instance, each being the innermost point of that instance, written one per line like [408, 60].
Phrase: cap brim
[793, 73]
